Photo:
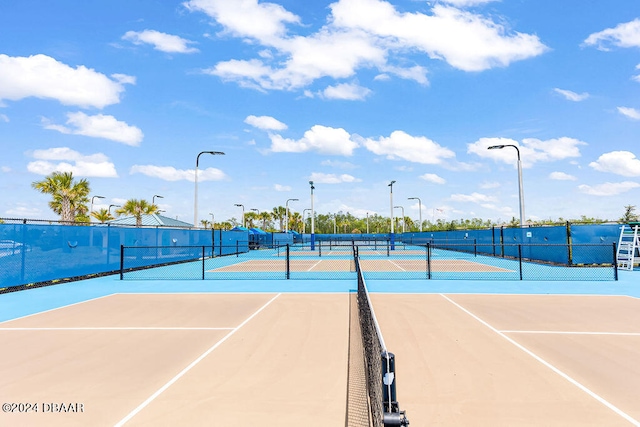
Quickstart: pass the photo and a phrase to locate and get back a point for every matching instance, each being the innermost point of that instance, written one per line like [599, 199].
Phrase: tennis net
[379, 362]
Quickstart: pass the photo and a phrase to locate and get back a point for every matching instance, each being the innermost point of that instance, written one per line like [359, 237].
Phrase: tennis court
[277, 352]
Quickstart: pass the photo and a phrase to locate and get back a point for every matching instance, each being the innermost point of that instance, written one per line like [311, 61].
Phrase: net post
[237, 248]
[288, 263]
[520, 259]
[319, 248]
[121, 262]
[475, 247]
[203, 262]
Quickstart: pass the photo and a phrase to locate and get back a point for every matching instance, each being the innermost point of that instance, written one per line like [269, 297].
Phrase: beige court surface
[281, 360]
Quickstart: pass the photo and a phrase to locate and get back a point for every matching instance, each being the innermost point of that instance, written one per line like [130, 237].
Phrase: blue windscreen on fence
[31, 253]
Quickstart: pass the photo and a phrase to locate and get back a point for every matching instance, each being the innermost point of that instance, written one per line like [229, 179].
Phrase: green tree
[629, 214]
[69, 197]
[102, 215]
[137, 208]
[265, 217]
[279, 214]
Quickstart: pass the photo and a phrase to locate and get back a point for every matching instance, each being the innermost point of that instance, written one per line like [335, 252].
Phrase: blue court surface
[27, 302]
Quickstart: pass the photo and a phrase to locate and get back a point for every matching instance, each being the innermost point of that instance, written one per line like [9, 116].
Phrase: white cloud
[160, 41]
[489, 185]
[431, 177]
[338, 164]
[330, 178]
[465, 3]
[279, 187]
[561, 176]
[5, 169]
[4, 118]
[360, 34]
[623, 35]
[572, 96]
[531, 150]
[41, 76]
[247, 18]
[400, 145]
[346, 91]
[622, 163]
[99, 126]
[64, 159]
[632, 113]
[169, 173]
[473, 198]
[609, 188]
[324, 140]
[265, 123]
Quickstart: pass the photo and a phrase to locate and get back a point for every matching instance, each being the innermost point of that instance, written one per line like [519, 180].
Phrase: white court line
[58, 308]
[124, 328]
[549, 365]
[630, 334]
[396, 265]
[314, 265]
[191, 365]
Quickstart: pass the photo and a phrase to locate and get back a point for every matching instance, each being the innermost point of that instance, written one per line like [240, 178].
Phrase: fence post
[428, 260]
[475, 247]
[202, 262]
[615, 263]
[288, 265]
[237, 248]
[520, 259]
[121, 262]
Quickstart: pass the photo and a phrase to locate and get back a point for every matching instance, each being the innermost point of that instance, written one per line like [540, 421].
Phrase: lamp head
[496, 147]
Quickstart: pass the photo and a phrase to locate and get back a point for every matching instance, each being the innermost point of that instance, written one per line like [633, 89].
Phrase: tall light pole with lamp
[313, 228]
[213, 222]
[392, 237]
[520, 187]
[240, 205]
[153, 199]
[401, 207]
[94, 197]
[195, 195]
[304, 224]
[419, 208]
[111, 206]
[286, 217]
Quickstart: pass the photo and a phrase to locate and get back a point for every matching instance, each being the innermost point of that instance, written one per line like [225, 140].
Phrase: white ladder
[628, 245]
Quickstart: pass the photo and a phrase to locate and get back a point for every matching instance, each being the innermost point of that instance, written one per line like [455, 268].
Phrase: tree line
[70, 197]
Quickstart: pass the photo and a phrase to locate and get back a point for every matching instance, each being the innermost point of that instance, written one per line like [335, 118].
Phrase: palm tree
[265, 217]
[137, 208]
[249, 218]
[69, 197]
[102, 215]
[295, 221]
[205, 223]
[279, 213]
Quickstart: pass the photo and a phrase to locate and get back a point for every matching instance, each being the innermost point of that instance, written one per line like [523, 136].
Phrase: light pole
[367, 222]
[111, 206]
[400, 207]
[520, 187]
[304, 224]
[195, 195]
[286, 218]
[212, 220]
[153, 199]
[240, 205]
[313, 229]
[419, 207]
[392, 237]
[94, 197]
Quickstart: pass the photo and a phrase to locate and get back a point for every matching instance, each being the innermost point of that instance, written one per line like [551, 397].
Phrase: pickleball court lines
[544, 362]
[151, 398]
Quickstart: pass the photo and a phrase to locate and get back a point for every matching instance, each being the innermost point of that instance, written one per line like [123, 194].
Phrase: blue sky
[350, 94]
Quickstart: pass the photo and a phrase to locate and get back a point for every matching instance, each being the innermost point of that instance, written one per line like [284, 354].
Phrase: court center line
[396, 265]
[630, 334]
[191, 365]
[549, 365]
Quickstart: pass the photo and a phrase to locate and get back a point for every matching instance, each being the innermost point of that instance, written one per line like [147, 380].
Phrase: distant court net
[366, 342]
